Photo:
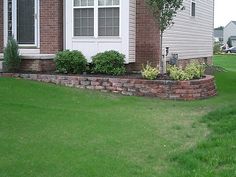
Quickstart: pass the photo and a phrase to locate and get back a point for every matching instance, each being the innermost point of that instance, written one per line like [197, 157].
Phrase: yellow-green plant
[192, 71]
[195, 70]
[177, 73]
[149, 72]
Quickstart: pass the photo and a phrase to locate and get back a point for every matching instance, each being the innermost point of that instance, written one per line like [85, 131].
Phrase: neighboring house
[191, 36]
[219, 34]
[44, 27]
[230, 32]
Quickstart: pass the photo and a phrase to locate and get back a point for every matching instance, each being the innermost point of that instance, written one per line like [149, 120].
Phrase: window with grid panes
[108, 17]
[83, 17]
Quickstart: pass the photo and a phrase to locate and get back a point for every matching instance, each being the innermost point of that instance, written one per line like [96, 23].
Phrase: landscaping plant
[216, 48]
[177, 73]
[149, 72]
[11, 59]
[192, 71]
[229, 42]
[109, 62]
[70, 62]
[195, 70]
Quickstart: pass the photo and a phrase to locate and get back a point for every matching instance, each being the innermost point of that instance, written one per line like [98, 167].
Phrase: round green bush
[109, 62]
[70, 62]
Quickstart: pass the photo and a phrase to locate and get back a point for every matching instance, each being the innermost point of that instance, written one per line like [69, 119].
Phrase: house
[191, 36]
[230, 32]
[219, 34]
[44, 27]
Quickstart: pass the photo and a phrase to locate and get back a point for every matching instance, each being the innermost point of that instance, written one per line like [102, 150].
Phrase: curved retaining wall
[165, 89]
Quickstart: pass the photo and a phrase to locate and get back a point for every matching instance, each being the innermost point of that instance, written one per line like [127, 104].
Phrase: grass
[226, 61]
[47, 130]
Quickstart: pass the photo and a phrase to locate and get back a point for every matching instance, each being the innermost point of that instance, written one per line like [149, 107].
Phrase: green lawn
[52, 131]
[226, 61]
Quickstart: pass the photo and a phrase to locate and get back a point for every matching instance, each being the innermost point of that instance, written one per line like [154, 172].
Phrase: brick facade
[147, 37]
[51, 26]
[37, 65]
[1, 26]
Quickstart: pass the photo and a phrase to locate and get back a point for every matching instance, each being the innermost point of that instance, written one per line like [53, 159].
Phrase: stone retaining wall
[165, 89]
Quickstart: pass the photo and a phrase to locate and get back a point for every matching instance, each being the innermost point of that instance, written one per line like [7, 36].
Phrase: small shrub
[178, 73]
[70, 62]
[192, 71]
[11, 59]
[195, 71]
[216, 48]
[149, 72]
[109, 62]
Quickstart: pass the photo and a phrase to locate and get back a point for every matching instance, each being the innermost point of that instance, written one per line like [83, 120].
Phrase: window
[9, 17]
[83, 17]
[104, 13]
[108, 17]
[193, 8]
[25, 22]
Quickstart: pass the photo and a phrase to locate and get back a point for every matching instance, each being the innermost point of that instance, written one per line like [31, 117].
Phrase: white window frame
[14, 24]
[96, 7]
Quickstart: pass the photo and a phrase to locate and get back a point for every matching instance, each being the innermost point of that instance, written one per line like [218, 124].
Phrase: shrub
[192, 71]
[195, 71]
[149, 72]
[178, 73]
[229, 42]
[216, 48]
[11, 60]
[70, 62]
[109, 62]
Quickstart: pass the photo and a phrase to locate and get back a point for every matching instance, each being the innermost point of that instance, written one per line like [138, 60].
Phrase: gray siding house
[219, 34]
[230, 32]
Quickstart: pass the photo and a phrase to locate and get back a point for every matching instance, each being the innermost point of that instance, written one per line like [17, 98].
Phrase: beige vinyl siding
[132, 30]
[192, 37]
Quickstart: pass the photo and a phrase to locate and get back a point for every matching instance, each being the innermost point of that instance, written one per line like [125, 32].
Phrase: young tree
[163, 12]
[229, 42]
[11, 59]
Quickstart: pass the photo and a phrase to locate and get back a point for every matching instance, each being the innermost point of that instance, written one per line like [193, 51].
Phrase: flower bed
[165, 89]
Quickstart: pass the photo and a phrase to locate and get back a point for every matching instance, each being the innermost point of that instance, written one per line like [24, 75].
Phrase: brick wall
[51, 26]
[37, 65]
[147, 37]
[1, 26]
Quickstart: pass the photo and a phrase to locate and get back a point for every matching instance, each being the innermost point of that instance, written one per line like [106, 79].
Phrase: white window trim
[96, 7]
[14, 24]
